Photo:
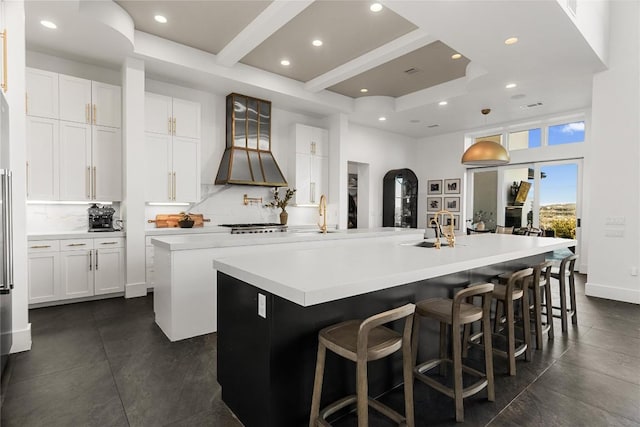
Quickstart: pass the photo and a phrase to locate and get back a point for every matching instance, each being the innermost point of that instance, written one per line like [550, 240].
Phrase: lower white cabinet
[75, 268]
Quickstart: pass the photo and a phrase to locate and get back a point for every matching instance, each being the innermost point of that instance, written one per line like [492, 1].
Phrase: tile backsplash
[42, 218]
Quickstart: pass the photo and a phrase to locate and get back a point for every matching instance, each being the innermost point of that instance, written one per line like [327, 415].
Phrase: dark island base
[266, 365]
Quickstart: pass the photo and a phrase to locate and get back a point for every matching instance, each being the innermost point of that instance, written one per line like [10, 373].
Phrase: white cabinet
[86, 101]
[42, 93]
[75, 268]
[42, 158]
[172, 146]
[310, 163]
[83, 160]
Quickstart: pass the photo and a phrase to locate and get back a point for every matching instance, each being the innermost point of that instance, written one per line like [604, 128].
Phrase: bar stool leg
[548, 304]
[415, 337]
[563, 303]
[457, 370]
[537, 311]
[511, 338]
[407, 370]
[572, 295]
[443, 347]
[488, 356]
[317, 386]
[526, 327]
[362, 393]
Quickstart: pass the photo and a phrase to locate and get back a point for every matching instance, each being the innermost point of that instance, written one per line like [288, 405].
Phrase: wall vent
[433, 126]
[528, 106]
[411, 70]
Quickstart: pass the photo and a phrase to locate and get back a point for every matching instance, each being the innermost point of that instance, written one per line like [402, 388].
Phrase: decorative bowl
[186, 223]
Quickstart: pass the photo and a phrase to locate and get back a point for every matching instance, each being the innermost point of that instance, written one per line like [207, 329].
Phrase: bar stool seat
[362, 341]
[500, 292]
[457, 313]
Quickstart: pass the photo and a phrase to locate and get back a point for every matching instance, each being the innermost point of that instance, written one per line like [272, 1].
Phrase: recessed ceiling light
[364, 90]
[441, 103]
[382, 119]
[511, 85]
[511, 40]
[161, 19]
[317, 42]
[456, 56]
[518, 96]
[48, 24]
[375, 7]
[285, 62]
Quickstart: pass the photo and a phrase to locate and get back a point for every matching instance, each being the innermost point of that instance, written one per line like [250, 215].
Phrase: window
[522, 140]
[494, 138]
[567, 133]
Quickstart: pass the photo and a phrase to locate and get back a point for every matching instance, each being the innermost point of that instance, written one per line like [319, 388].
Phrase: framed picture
[434, 186]
[456, 221]
[452, 186]
[452, 204]
[434, 204]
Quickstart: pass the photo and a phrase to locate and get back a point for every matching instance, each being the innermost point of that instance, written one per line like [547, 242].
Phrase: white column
[338, 170]
[133, 160]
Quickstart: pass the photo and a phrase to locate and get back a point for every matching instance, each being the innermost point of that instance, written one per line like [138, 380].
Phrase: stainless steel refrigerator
[6, 239]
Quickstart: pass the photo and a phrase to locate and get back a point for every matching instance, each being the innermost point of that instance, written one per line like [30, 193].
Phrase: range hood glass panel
[229, 129]
[271, 170]
[252, 123]
[240, 166]
[256, 168]
[265, 126]
[239, 122]
[223, 170]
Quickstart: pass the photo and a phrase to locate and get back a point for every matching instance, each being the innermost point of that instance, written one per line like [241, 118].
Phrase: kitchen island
[270, 309]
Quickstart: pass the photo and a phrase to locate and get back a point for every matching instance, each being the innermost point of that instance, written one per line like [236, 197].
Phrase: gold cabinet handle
[87, 113]
[88, 182]
[5, 79]
[174, 186]
[169, 125]
[77, 244]
[95, 114]
[40, 246]
[170, 187]
[95, 179]
[174, 125]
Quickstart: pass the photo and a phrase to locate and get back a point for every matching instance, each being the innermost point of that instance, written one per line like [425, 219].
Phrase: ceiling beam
[392, 50]
[276, 15]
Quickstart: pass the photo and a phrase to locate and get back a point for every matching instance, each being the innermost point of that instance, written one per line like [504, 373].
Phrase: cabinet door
[109, 270]
[44, 277]
[157, 168]
[75, 99]
[107, 104]
[77, 274]
[157, 114]
[186, 161]
[186, 115]
[106, 154]
[75, 161]
[320, 142]
[42, 93]
[319, 178]
[42, 159]
[303, 137]
[303, 179]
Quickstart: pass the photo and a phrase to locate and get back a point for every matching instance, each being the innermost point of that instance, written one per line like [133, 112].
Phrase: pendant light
[485, 153]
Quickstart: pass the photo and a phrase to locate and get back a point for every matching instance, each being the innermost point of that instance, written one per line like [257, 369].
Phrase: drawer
[76, 244]
[36, 246]
[105, 242]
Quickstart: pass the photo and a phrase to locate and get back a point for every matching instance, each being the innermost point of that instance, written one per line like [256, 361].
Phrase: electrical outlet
[610, 232]
[634, 271]
[262, 306]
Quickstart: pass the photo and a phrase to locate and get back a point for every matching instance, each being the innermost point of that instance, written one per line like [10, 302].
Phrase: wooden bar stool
[538, 283]
[567, 269]
[505, 296]
[361, 342]
[457, 313]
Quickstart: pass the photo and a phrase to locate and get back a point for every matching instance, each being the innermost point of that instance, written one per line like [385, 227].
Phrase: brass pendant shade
[485, 153]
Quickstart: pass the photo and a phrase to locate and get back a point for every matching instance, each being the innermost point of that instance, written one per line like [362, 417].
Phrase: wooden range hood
[247, 158]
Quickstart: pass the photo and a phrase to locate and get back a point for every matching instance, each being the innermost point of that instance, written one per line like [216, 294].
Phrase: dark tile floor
[106, 363]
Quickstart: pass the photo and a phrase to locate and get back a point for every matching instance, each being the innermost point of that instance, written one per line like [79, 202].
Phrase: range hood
[247, 158]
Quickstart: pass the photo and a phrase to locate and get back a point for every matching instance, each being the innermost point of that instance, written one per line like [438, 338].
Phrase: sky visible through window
[561, 181]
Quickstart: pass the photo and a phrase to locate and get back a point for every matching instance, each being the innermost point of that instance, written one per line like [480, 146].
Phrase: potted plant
[277, 202]
[185, 220]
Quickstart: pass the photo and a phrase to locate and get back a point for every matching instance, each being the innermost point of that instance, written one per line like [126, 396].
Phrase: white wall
[382, 151]
[615, 134]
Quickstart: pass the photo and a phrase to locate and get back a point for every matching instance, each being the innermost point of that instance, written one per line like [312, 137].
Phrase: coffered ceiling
[401, 55]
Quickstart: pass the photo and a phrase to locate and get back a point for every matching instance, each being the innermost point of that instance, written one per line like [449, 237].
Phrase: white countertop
[75, 235]
[194, 230]
[220, 240]
[322, 274]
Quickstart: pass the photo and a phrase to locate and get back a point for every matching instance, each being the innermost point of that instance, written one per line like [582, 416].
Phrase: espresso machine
[101, 218]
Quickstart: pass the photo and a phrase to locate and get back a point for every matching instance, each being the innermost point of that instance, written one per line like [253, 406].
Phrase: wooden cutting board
[171, 220]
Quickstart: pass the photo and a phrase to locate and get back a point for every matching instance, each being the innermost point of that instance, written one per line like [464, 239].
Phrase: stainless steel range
[268, 227]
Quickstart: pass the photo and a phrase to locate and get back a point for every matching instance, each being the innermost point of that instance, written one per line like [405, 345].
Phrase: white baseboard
[134, 290]
[613, 293]
[21, 339]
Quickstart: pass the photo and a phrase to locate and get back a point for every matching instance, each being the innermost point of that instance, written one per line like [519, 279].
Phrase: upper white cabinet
[83, 161]
[42, 93]
[172, 145]
[86, 101]
[310, 163]
[171, 116]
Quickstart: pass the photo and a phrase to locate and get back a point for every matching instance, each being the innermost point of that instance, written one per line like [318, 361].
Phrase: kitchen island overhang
[270, 309]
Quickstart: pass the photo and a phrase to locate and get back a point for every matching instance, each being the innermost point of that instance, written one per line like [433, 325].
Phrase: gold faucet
[323, 213]
[448, 230]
